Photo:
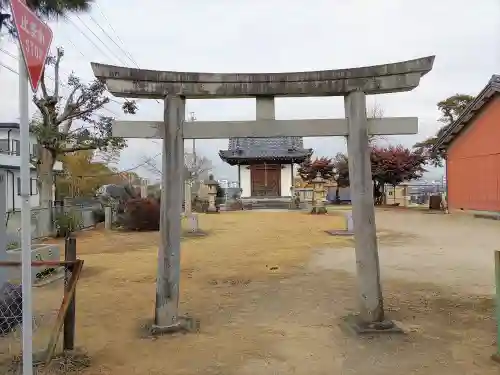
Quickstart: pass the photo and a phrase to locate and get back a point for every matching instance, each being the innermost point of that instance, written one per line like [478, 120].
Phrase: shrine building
[266, 166]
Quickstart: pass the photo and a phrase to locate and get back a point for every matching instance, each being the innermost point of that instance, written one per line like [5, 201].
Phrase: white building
[10, 161]
[266, 166]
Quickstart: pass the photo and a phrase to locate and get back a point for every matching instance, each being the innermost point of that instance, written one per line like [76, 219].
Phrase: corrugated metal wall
[474, 183]
[473, 167]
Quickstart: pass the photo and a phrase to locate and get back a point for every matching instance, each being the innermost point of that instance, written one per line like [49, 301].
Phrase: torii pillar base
[319, 210]
[355, 325]
[184, 324]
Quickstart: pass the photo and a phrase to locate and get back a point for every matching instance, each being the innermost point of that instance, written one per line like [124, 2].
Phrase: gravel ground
[451, 250]
[438, 281]
[271, 290]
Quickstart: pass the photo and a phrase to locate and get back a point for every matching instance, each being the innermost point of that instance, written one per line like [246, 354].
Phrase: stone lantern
[318, 195]
[294, 199]
[212, 194]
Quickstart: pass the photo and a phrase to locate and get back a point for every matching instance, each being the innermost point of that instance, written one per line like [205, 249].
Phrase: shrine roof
[449, 134]
[276, 148]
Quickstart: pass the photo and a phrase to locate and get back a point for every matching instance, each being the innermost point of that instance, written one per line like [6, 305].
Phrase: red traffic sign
[34, 37]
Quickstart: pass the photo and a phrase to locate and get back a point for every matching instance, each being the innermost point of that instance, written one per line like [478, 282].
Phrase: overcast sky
[279, 36]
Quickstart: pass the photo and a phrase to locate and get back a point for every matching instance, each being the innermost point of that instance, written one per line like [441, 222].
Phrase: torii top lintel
[154, 84]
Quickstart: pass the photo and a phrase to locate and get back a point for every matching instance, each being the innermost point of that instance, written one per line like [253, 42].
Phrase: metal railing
[53, 310]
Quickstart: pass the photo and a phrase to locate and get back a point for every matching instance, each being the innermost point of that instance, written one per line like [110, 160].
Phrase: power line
[86, 36]
[128, 55]
[8, 53]
[124, 171]
[111, 27]
[100, 40]
[16, 58]
[61, 83]
[73, 44]
[49, 77]
[83, 55]
[124, 50]
[8, 68]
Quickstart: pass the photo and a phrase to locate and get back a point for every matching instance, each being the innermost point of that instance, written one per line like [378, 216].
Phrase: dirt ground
[270, 289]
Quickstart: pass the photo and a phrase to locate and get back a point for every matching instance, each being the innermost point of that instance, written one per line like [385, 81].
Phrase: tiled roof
[465, 119]
[265, 148]
[9, 125]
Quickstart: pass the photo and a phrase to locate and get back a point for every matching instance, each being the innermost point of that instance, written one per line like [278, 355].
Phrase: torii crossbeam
[353, 84]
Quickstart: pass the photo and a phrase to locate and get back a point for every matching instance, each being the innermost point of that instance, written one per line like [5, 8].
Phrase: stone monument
[352, 84]
[318, 202]
[212, 195]
[349, 226]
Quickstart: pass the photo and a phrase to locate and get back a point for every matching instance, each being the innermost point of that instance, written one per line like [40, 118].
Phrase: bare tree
[151, 166]
[195, 168]
[376, 111]
[68, 125]
[109, 157]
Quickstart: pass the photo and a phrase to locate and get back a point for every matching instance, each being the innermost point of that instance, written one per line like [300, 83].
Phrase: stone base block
[319, 210]
[354, 324]
[198, 233]
[339, 232]
[184, 324]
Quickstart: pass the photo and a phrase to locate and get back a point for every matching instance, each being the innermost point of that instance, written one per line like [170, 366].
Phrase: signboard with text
[35, 38]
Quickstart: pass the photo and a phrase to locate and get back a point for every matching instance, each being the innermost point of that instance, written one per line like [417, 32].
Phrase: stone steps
[259, 203]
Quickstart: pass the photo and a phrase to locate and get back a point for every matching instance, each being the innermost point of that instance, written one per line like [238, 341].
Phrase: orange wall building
[472, 143]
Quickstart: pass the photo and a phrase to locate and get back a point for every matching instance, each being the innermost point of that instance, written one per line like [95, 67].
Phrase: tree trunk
[378, 192]
[337, 195]
[46, 180]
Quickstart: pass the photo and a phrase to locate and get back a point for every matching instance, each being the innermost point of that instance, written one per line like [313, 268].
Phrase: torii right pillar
[363, 212]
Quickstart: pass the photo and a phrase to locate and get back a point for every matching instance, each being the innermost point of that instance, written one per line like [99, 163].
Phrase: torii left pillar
[167, 318]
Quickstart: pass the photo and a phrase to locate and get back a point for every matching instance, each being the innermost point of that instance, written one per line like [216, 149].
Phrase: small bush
[13, 245]
[141, 214]
[67, 223]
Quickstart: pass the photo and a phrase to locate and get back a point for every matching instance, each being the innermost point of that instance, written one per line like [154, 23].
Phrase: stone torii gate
[353, 84]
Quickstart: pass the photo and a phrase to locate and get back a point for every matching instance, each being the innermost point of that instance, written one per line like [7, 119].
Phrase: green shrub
[67, 223]
[13, 245]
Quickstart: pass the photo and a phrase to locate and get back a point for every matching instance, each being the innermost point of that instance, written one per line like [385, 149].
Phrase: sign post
[34, 38]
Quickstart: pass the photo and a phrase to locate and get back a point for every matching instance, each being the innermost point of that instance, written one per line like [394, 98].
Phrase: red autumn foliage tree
[141, 214]
[309, 169]
[341, 176]
[392, 165]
